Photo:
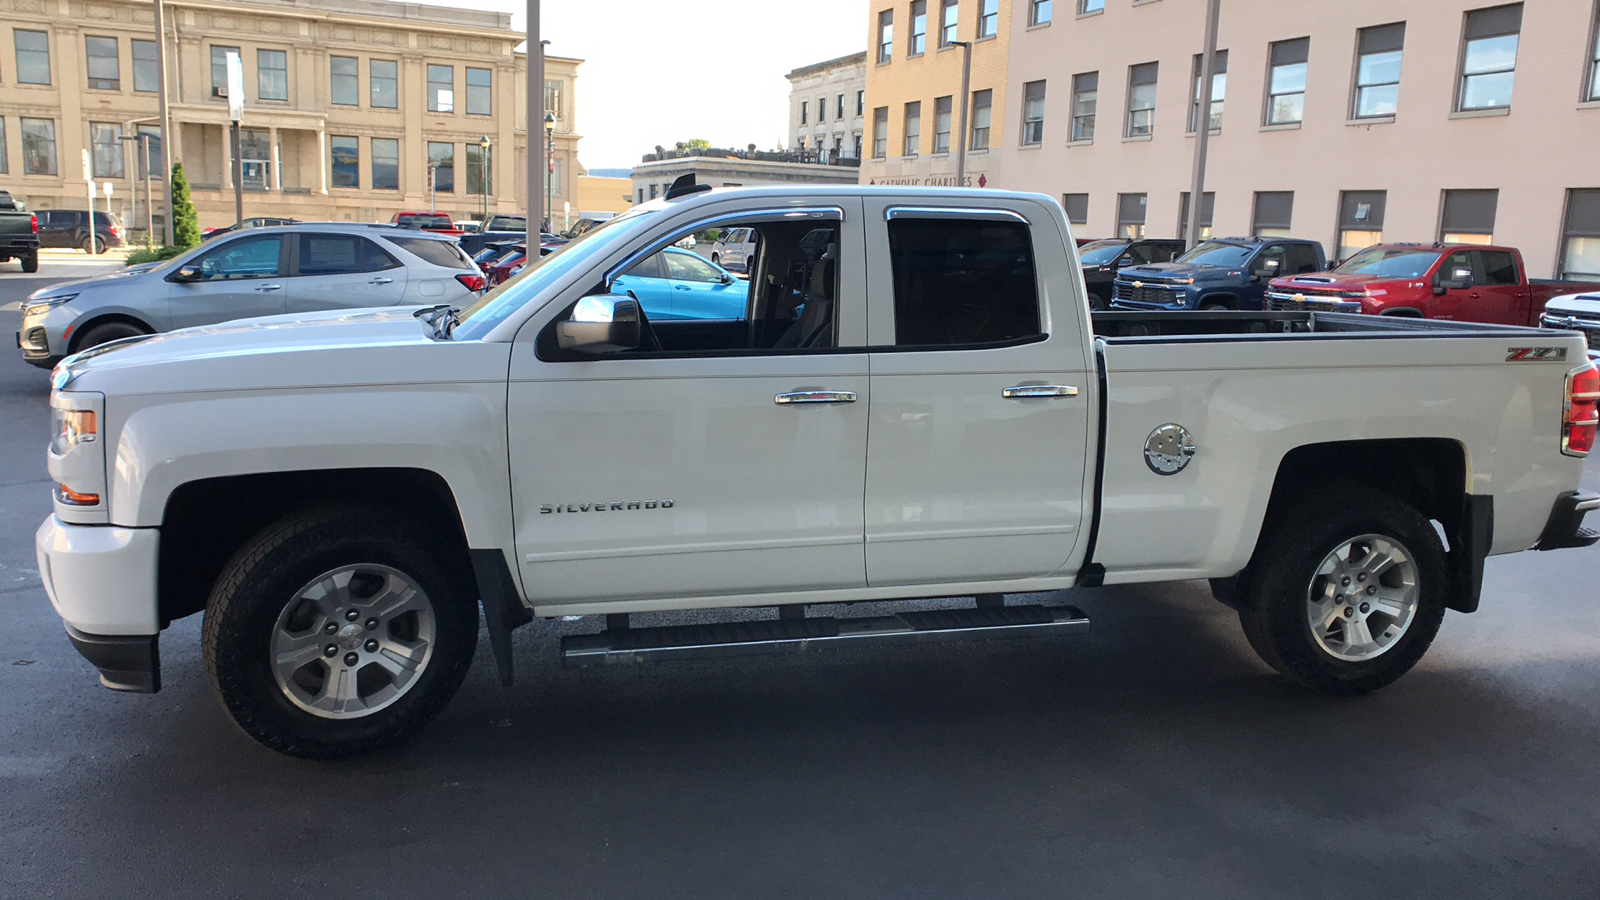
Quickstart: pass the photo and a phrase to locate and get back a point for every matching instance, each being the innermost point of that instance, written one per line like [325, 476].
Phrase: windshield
[1216, 253]
[426, 222]
[1391, 262]
[515, 292]
[1100, 253]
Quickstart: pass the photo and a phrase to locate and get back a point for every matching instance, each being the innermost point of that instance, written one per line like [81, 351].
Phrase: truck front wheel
[339, 629]
[1346, 593]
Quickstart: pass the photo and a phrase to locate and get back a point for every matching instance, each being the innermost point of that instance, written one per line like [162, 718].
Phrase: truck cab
[1223, 274]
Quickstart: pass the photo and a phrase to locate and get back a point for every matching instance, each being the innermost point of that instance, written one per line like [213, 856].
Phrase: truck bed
[1140, 326]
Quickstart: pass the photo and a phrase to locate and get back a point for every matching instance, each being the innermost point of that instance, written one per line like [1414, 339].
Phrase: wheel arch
[1228, 298]
[1403, 312]
[75, 340]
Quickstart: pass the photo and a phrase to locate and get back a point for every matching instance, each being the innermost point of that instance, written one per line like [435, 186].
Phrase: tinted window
[1498, 267]
[440, 253]
[1301, 259]
[649, 267]
[1100, 253]
[962, 282]
[340, 254]
[254, 257]
[1456, 267]
[1216, 254]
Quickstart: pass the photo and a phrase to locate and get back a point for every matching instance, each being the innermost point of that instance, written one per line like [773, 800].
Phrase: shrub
[155, 254]
[185, 221]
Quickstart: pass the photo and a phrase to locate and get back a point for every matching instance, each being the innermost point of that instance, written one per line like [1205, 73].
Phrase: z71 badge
[1536, 354]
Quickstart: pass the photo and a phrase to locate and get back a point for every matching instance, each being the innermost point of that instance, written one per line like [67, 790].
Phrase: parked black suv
[1101, 260]
[70, 228]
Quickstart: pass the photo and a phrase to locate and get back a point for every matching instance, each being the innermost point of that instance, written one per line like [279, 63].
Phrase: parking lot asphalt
[1155, 758]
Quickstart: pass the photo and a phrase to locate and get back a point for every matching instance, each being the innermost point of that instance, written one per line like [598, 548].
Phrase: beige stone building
[353, 109]
[827, 107]
[1345, 122]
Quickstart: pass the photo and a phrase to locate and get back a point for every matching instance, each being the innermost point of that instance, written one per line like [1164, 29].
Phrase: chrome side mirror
[603, 323]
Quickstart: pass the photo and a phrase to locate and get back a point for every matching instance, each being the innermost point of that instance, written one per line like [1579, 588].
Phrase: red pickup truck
[1465, 282]
[438, 223]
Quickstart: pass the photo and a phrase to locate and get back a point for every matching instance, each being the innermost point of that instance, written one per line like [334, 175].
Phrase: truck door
[1457, 276]
[721, 459]
[980, 424]
[1499, 295]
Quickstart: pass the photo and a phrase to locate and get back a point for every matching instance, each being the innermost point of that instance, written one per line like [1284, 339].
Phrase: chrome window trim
[952, 212]
[792, 212]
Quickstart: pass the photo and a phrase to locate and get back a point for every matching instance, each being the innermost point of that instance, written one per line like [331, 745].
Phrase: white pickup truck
[916, 403]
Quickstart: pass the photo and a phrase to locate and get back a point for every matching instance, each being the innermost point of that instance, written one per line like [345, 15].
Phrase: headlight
[42, 303]
[76, 461]
[71, 427]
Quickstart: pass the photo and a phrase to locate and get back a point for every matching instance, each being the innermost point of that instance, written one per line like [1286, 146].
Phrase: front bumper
[41, 331]
[1565, 527]
[101, 579]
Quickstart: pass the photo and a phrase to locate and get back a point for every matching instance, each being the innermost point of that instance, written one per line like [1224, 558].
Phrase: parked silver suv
[258, 272]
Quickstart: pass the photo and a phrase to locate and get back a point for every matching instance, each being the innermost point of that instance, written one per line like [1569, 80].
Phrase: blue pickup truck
[1227, 273]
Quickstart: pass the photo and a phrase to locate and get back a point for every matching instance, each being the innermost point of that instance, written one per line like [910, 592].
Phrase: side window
[688, 267]
[962, 282]
[1302, 259]
[1499, 267]
[1456, 267]
[447, 254]
[341, 254]
[649, 267]
[1139, 252]
[255, 257]
[1275, 252]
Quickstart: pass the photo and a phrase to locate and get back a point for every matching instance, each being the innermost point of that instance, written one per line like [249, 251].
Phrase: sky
[663, 71]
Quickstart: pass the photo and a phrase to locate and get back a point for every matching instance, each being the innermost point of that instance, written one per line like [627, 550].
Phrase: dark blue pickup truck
[1227, 273]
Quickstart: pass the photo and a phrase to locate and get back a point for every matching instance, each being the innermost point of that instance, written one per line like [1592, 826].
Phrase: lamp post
[966, 88]
[1202, 125]
[483, 181]
[549, 165]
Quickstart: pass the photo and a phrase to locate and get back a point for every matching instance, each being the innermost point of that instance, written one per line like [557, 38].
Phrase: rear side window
[341, 254]
[440, 253]
[962, 282]
[1499, 267]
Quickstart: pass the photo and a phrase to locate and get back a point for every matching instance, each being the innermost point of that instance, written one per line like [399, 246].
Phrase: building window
[919, 28]
[880, 132]
[272, 74]
[1089, 6]
[982, 102]
[988, 18]
[1467, 217]
[1077, 209]
[885, 36]
[1360, 221]
[1142, 99]
[1208, 202]
[553, 92]
[345, 159]
[146, 69]
[5, 157]
[857, 137]
[861, 102]
[1273, 212]
[38, 147]
[949, 19]
[105, 69]
[345, 89]
[838, 107]
[935, 303]
[805, 112]
[442, 158]
[255, 158]
[480, 92]
[1489, 57]
[822, 110]
[1033, 113]
[33, 63]
[383, 84]
[441, 89]
[1039, 12]
[1085, 97]
[1130, 216]
[1219, 89]
[913, 129]
[105, 149]
[1286, 81]
[480, 169]
[385, 164]
[1580, 246]
[1378, 51]
[1594, 62]
[219, 69]
[941, 124]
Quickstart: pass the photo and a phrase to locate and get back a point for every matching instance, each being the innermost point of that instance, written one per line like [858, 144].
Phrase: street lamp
[549, 164]
[483, 182]
[964, 99]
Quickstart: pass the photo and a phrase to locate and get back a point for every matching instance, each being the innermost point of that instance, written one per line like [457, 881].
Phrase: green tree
[697, 144]
[185, 221]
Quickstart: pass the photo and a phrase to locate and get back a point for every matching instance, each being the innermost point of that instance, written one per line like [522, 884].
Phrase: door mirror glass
[1123, 261]
[1460, 279]
[607, 323]
[190, 272]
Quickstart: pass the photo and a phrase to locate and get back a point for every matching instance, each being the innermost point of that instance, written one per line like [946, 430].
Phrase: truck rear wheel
[30, 264]
[1347, 591]
[339, 629]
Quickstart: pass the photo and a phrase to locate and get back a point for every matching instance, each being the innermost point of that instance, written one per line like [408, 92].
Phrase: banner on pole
[235, 86]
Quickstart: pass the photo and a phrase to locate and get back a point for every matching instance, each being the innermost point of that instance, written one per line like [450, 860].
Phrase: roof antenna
[684, 186]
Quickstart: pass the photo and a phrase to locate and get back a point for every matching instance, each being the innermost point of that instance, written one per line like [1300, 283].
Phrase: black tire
[716, 260]
[104, 333]
[262, 585]
[30, 264]
[1214, 307]
[1095, 303]
[1274, 591]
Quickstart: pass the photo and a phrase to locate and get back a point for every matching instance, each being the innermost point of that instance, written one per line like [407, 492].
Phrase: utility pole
[966, 90]
[165, 160]
[533, 183]
[236, 113]
[1202, 125]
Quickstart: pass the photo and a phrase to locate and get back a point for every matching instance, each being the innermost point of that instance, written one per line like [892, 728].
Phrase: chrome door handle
[381, 280]
[815, 397]
[270, 287]
[1025, 391]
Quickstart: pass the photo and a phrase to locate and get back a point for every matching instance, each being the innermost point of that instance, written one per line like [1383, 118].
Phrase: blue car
[677, 284]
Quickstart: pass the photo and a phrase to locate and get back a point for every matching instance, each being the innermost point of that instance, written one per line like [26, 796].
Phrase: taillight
[116, 230]
[473, 283]
[1581, 412]
[35, 224]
